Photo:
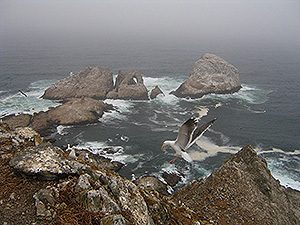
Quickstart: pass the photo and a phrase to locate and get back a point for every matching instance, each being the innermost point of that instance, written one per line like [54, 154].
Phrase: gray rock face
[45, 200]
[155, 92]
[129, 85]
[77, 111]
[91, 82]
[128, 196]
[210, 74]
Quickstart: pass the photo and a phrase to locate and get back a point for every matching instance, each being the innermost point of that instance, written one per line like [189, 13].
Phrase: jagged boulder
[241, 191]
[152, 183]
[155, 92]
[210, 74]
[129, 85]
[44, 161]
[92, 82]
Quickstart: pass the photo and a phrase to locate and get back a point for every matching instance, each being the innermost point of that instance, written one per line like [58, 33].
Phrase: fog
[31, 21]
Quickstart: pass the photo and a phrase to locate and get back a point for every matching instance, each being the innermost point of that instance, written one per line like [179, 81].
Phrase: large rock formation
[92, 82]
[210, 74]
[242, 191]
[129, 85]
[72, 111]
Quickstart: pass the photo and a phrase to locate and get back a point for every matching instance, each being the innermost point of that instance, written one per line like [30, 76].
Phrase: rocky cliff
[241, 191]
[43, 184]
[210, 74]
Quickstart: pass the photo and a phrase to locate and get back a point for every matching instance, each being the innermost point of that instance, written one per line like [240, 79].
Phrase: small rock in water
[171, 178]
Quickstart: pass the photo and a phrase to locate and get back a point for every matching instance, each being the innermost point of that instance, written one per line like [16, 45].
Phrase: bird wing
[185, 133]
[197, 133]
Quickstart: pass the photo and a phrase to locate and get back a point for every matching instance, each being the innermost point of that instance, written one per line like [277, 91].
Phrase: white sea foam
[115, 153]
[202, 111]
[247, 94]
[62, 130]
[122, 109]
[218, 105]
[284, 176]
[166, 84]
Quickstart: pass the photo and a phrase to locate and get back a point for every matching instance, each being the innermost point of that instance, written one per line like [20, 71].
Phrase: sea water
[264, 113]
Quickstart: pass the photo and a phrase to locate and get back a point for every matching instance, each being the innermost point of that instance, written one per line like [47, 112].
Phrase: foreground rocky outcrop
[242, 191]
[210, 74]
[76, 188]
[72, 111]
[91, 82]
[129, 85]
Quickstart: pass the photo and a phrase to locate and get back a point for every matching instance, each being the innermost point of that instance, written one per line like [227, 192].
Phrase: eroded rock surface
[129, 85]
[210, 74]
[92, 82]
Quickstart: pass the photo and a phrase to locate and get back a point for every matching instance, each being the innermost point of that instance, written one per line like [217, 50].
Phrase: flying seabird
[23, 93]
[188, 134]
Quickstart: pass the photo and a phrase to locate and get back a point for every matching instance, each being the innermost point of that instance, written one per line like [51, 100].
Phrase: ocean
[264, 113]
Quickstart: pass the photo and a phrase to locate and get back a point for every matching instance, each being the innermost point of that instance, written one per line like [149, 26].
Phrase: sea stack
[210, 74]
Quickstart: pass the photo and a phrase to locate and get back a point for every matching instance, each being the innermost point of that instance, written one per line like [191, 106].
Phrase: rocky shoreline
[43, 184]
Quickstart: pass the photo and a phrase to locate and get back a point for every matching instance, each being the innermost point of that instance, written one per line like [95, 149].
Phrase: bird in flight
[188, 134]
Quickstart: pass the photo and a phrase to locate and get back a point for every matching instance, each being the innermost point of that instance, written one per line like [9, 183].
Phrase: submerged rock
[155, 92]
[210, 74]
[241, 191]
[92, 82]
[129, 85]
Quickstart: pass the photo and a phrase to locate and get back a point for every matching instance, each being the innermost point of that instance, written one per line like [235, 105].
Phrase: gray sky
[262, 20]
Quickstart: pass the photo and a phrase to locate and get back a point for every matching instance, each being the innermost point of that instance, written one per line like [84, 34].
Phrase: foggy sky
[261, 20]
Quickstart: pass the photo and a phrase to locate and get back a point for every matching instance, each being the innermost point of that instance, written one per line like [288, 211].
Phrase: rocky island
[98, 83]
[42, 184]
[210, 74]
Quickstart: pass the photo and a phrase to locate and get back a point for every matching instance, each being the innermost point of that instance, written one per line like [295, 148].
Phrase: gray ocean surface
[264, 113]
